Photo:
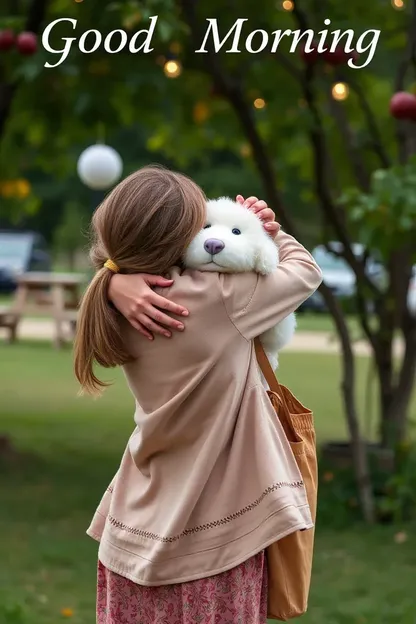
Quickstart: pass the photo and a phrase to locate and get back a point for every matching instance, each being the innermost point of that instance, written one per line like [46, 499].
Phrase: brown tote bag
[290, 559]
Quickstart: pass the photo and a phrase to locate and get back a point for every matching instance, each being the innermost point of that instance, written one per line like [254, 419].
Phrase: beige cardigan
[208, 478]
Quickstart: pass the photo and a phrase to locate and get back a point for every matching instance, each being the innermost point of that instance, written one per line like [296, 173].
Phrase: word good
[91, 40]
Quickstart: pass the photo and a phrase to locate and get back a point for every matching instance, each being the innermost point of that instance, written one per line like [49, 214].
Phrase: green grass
[70, 447]
[313, 322]
[5, 300]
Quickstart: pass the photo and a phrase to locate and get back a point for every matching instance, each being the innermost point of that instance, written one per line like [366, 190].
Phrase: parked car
[338, 275]
[20, 252]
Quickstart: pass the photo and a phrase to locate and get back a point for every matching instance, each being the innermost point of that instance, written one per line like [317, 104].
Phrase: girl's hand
[264, 213]
[134, 298]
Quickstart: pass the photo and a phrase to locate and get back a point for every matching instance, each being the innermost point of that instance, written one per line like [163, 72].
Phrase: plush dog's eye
[208, 225]
[236, 231]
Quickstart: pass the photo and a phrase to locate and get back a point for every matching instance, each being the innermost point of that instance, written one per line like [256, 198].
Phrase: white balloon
[99, 167]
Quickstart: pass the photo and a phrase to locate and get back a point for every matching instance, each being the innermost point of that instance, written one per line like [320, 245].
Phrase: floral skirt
[238, 596]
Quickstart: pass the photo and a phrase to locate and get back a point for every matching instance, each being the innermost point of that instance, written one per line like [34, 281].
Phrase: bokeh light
[259, 103]
[172, 69]
[340, 91]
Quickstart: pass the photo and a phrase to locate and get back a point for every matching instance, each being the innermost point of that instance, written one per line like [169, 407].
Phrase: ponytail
[98, 336]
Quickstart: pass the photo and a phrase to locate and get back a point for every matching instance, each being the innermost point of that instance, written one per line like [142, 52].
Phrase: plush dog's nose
[213, 246]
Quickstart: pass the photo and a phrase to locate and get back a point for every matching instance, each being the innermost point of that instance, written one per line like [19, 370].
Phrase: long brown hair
[144, 226]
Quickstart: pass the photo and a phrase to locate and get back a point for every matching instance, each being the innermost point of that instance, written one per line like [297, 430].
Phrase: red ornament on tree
[312, 57]
[336, 57]
[27, 43]
[6, 40]
[403, 105]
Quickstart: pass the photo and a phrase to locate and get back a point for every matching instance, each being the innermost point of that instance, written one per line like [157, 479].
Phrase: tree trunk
[384, 366]
[395, 389]
[395, 397]
[7, 92]
[359, 450]
[397, 411]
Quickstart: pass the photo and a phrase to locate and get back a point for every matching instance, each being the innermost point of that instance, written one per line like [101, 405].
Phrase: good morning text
[234, 41]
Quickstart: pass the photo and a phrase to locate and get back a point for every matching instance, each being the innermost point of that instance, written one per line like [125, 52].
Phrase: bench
[38, 294]
[9, 319]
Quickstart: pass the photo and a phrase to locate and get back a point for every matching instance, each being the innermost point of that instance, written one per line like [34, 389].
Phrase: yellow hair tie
[112, 266]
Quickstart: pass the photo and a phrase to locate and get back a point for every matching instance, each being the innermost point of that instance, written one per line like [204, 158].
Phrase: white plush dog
[234, 241]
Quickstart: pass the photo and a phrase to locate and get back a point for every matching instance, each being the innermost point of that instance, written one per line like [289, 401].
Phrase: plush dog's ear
[267, 257]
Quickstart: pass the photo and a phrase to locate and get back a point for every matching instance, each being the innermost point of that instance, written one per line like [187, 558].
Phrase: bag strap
[283, 412]
[266, 368]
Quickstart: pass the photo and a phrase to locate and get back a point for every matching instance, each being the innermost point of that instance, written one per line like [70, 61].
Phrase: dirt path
[318, 342]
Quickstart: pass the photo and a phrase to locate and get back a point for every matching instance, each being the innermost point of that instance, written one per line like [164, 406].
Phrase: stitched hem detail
[208, 525]
[110, 557]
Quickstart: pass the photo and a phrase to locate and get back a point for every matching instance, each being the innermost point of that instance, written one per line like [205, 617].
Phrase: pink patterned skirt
[238, 596]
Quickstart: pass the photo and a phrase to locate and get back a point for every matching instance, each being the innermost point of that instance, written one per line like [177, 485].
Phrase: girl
[208, 479]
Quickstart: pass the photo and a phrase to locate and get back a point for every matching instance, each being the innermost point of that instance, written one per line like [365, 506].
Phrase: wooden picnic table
[46, 294]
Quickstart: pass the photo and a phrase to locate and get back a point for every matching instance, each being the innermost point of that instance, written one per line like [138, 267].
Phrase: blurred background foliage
[128, 101]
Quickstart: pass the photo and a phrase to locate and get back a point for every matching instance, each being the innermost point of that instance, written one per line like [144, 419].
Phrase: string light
[245, 150]
[172, 69]
[22, 188]
[288, 5]
[397, 4]
[259, 103]
[340, 91]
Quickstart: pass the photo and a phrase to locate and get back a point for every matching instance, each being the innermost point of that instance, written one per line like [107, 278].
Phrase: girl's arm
[255, 303]
[134, 298]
